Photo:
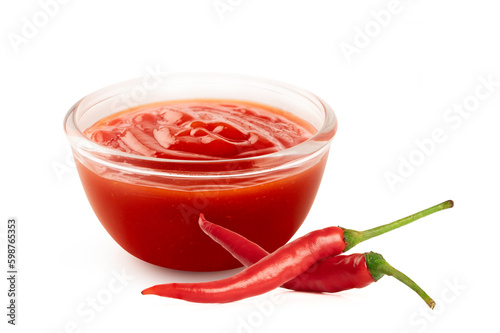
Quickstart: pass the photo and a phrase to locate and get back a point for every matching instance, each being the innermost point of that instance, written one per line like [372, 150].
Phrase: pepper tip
[202, 220]
[204, 223]
[148, 291]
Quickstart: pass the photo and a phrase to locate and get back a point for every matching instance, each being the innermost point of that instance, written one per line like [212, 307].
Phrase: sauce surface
[200, 130]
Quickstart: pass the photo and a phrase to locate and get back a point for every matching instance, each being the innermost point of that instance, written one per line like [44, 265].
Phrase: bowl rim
[313, 144]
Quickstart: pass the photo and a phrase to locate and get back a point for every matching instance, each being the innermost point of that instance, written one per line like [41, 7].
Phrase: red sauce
[157, 220]
[199, 130]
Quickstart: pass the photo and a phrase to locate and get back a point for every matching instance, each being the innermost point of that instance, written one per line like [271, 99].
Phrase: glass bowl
[150, 206]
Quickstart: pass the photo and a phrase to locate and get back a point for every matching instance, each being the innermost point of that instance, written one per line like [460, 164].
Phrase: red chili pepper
[269, 273]
[330, 275]
[282, 265]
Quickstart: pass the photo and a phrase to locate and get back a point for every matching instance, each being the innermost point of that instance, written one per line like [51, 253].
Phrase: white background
[395, 90]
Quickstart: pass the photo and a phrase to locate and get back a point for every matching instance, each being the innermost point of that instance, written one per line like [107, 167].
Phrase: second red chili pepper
[331, 275]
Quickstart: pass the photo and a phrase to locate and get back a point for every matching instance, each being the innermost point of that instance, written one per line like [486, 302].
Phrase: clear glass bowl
[150, 206]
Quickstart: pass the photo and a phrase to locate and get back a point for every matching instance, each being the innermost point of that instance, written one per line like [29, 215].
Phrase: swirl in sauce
[200, 130]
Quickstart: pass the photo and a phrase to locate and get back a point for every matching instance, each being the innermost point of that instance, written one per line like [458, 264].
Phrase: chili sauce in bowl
[250, 159]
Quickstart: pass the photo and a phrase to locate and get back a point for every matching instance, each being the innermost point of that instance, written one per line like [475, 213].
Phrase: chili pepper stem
[353, 237]
[378, 267]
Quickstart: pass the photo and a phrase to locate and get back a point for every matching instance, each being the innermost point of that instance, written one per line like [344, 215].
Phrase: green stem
[353, 237]
[378, 267]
